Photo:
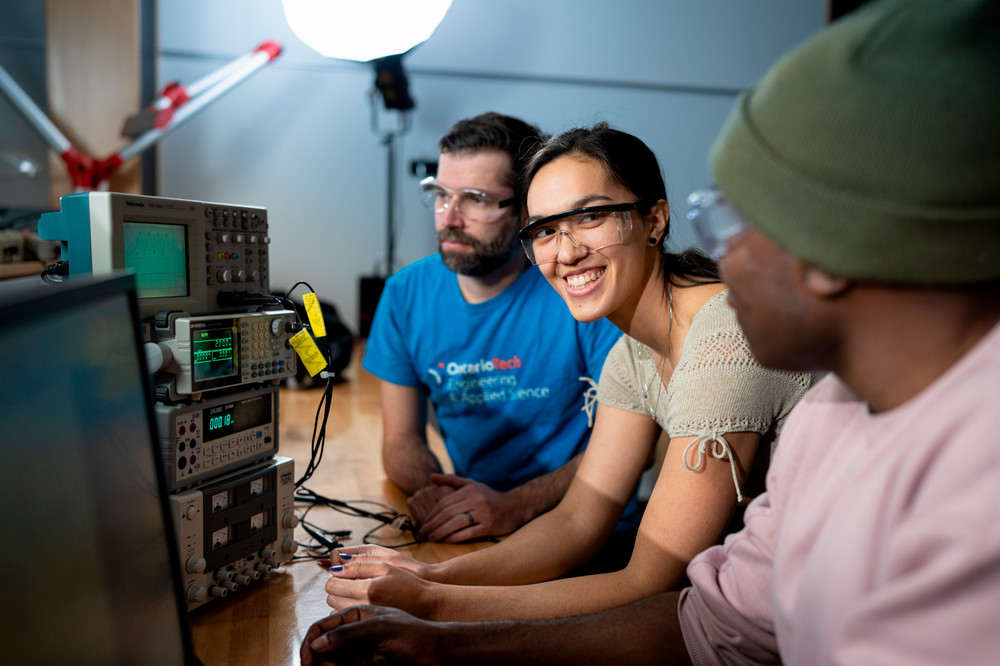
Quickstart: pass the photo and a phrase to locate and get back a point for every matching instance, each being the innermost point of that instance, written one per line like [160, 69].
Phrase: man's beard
[485, 257]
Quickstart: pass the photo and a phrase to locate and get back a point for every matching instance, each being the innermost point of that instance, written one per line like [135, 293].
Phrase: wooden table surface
[20, 269]
[263, 623]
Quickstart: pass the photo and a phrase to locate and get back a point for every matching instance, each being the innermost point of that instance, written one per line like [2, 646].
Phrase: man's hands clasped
[456, 509]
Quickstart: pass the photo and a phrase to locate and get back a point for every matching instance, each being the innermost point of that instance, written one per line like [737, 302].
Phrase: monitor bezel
[20, 299]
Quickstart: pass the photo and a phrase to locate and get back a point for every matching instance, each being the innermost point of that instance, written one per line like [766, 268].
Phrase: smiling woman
[591, 227]
[597, 220]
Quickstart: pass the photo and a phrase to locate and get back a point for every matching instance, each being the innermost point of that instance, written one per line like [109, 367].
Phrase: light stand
[393, 87]
[380, 32]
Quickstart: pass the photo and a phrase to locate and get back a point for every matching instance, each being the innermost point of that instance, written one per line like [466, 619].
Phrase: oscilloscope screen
[157, 253]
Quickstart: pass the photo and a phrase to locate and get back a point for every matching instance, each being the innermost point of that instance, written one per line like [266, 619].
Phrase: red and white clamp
[174, 106]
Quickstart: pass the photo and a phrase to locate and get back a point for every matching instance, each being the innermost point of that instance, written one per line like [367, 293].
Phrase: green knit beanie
[873, 150]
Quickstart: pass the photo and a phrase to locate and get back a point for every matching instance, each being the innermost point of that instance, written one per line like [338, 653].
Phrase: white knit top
[717, 387]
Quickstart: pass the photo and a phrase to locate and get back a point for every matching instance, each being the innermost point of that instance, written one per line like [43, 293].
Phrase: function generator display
[214, 350]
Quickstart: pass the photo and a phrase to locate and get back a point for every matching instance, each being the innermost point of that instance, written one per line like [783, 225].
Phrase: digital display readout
[246, 414]
[214, 350]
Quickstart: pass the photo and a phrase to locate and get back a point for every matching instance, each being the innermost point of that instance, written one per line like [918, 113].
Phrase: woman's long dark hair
[629, 162]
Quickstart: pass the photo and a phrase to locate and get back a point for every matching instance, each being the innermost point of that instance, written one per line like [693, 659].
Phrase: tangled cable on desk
[385, 515]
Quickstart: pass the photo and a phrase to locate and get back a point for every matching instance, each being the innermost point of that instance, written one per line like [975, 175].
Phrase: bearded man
[476, 331]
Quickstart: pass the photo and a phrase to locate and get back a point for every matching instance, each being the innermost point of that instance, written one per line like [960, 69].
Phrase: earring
[652, 240]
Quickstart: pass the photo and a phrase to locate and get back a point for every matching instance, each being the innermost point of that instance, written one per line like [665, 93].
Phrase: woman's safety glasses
[590, 229]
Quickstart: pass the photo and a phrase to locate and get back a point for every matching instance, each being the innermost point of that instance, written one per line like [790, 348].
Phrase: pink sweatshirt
[878, 541]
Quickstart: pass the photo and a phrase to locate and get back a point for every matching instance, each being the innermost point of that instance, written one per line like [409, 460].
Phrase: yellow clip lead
[306, 348]
[315, 314]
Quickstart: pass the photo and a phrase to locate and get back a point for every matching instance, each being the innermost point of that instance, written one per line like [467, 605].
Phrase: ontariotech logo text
[482, 365]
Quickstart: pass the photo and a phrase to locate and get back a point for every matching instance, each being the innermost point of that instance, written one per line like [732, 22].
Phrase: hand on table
[420, 504]
[371, 553]
[369, 580]
[358, 634]
[468, 509]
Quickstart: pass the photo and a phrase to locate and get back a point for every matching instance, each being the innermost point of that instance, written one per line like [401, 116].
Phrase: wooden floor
[264, 623]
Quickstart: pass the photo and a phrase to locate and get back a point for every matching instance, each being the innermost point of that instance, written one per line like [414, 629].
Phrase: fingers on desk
[358, 554]
[359, 570]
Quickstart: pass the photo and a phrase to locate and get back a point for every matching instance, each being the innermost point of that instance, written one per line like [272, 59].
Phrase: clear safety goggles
[592, 228]
[471, 204]
[715, 221]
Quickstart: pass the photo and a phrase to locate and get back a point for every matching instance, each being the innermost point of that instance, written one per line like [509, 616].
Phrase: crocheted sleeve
[719, 387]
[619, 386]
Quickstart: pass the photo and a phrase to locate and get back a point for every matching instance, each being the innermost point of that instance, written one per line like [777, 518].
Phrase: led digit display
[220, 421]
[240, 415]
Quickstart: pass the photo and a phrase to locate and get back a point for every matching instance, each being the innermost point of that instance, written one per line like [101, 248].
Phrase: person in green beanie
[856, 221]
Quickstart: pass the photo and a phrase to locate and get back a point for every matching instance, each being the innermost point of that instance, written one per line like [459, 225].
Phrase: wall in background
[303, 137]
[22, 54]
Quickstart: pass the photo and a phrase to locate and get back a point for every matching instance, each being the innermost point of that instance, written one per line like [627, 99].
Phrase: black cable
[245, 298]
[319, 428]
[387, 513]
[367, 539]
[318, 441]
[55, 272]
[320, 536]
[287, 296]
[323, 541]
[386, 516]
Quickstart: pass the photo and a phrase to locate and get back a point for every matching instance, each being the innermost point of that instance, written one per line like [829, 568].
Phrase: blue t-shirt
[503, 375]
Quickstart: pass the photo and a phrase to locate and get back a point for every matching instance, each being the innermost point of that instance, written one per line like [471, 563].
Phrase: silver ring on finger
[472, 521]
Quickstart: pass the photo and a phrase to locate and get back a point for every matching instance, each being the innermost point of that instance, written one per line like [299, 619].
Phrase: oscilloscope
[192, 256]
[217, 345]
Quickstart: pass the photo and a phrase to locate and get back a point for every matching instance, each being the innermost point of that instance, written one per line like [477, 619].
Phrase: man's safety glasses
[470, 204]
[715, 222]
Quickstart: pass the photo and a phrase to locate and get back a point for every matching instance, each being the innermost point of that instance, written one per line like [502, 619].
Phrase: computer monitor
[90, 554]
